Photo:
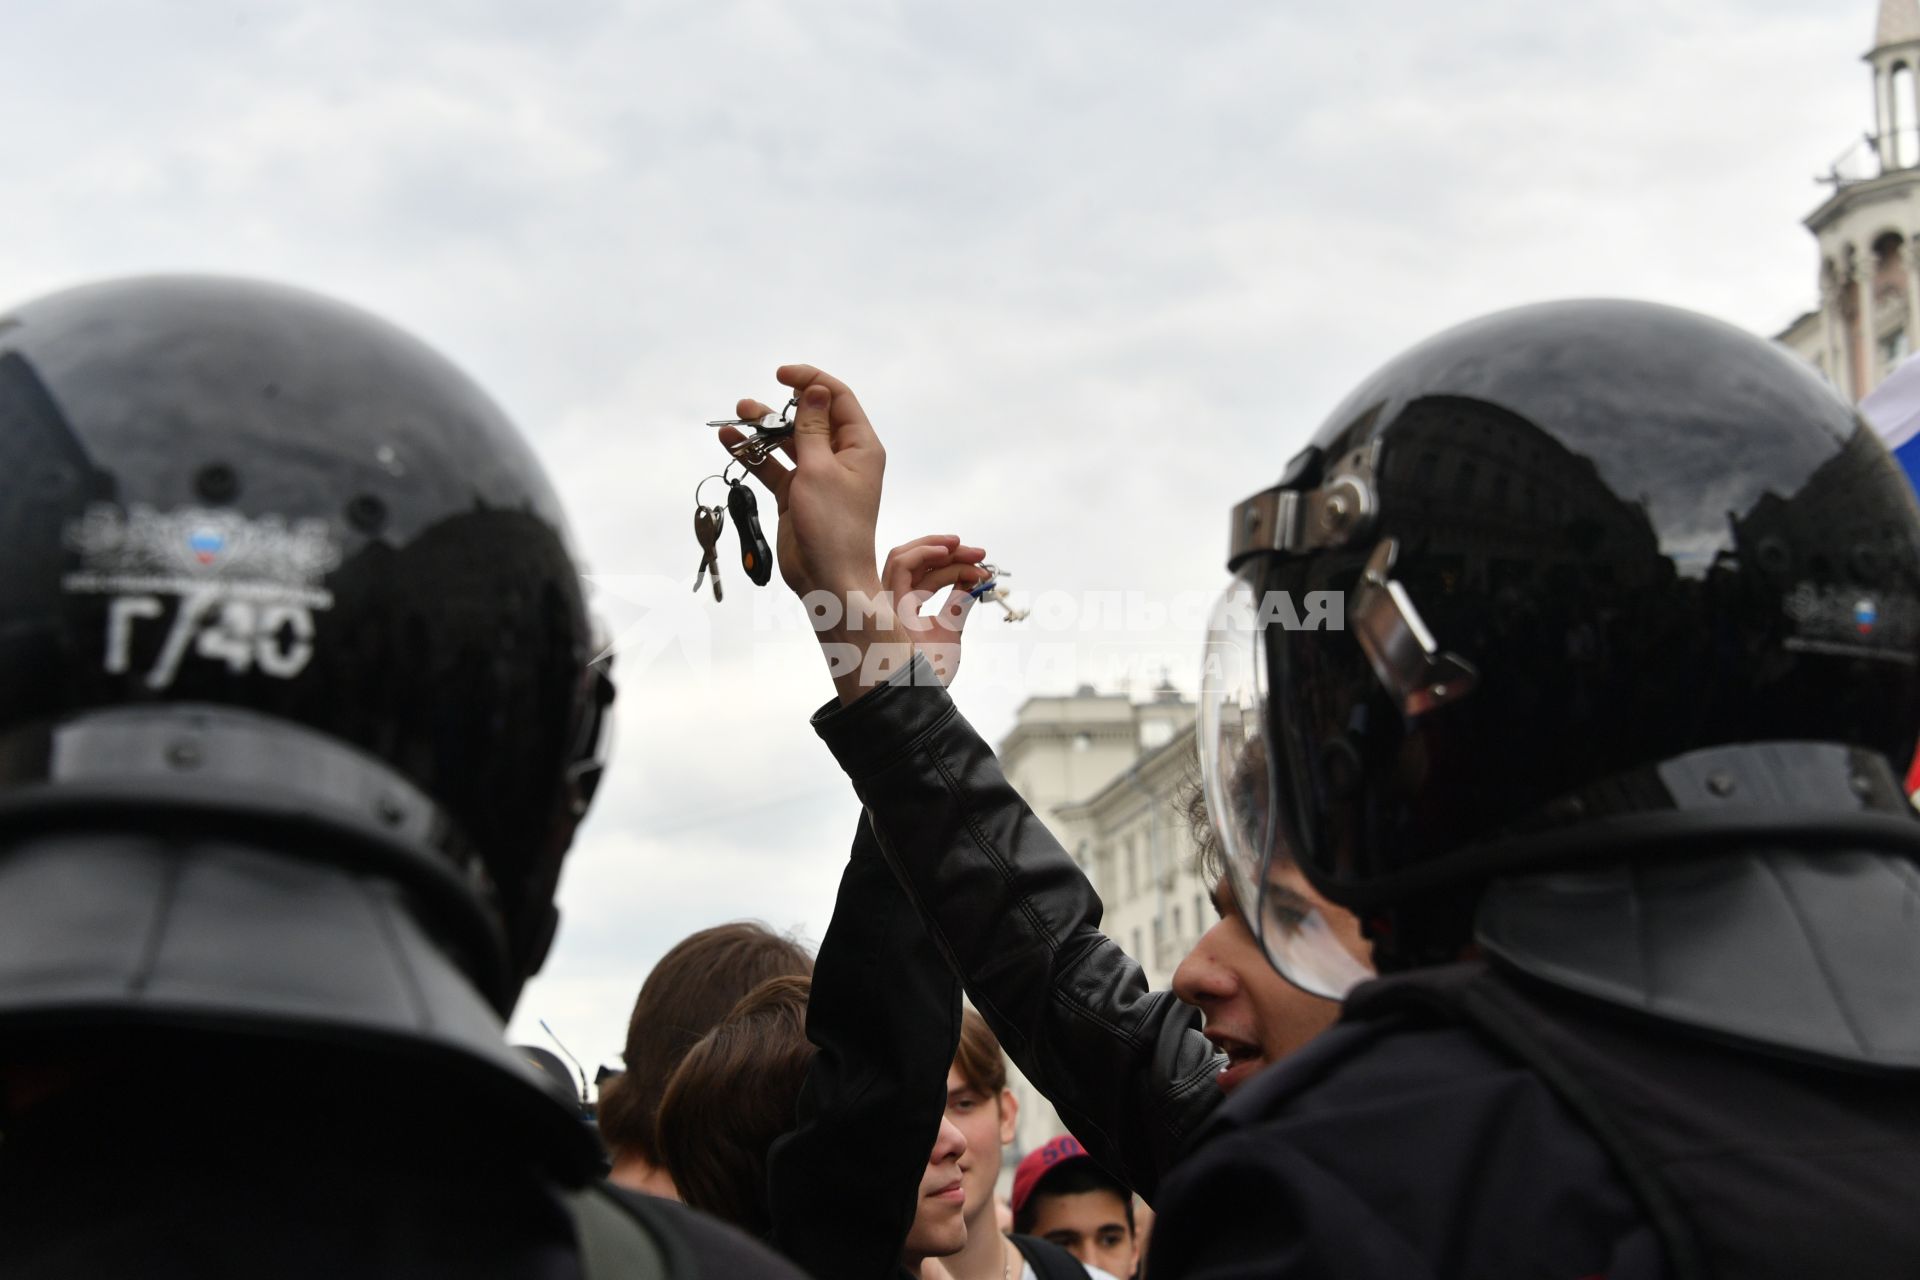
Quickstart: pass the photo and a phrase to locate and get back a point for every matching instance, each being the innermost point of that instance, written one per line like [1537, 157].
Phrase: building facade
[1868, 228]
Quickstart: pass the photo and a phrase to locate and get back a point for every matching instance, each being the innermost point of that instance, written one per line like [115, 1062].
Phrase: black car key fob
[756, 558]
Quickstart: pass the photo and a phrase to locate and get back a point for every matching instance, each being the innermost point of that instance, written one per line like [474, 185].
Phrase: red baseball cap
[1041, 1161]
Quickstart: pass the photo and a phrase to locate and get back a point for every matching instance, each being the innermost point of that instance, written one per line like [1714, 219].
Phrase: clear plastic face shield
[587, 762]
[1240, 771]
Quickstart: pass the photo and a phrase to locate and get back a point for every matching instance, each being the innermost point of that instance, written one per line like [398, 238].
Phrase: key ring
[757, 447]
[722, 478]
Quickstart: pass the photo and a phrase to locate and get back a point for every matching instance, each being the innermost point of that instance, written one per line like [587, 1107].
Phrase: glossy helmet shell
[1643, 532]
[233, 499]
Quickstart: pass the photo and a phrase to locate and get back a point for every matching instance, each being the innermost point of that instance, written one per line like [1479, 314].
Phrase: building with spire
[1868, 228]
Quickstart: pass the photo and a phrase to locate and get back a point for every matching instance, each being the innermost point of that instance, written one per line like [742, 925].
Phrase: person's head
[940, 1218]
[686, 994]
[1253, 1015]
[1061, 1194]
[738, 1089]
[981, 1106]
[1577, 583]
[295, 669]
[733, 1093]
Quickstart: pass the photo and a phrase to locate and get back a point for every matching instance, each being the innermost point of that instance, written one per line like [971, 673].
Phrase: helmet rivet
[1335, 513]
[183, 753]
[366, 513]
[217, 483]
[1862, 786]
[390, 809]
[1721, 784]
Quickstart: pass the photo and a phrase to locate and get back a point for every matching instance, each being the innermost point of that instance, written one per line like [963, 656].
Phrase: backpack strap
[1050, 1261]
[621, 1239]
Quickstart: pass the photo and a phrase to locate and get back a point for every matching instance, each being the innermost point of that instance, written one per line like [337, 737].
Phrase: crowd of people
[1566, 890]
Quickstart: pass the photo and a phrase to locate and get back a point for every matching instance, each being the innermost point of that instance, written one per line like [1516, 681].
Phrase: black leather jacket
[844, 1184]
[1127, 1068]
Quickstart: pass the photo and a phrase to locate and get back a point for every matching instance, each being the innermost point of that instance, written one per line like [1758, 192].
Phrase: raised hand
[917, 571]
[829, 500]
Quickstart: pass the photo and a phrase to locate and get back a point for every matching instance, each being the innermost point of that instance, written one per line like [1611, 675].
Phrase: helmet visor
[1239, 769]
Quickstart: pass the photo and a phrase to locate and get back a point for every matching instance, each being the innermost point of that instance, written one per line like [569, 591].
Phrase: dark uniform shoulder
[1399, 1147]
[699, 1247]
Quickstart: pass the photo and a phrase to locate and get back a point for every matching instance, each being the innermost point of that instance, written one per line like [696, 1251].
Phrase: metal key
[783, 425]
[756, 448]
[996, 591]
[700, 521]
[707, 523]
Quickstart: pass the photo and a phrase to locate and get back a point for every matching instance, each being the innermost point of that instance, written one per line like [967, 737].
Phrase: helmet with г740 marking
[274, 573]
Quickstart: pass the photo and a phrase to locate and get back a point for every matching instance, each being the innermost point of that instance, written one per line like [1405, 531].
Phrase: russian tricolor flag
[1893, 410]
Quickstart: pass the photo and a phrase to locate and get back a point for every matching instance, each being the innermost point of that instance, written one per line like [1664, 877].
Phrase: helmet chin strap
[205, 769]
[1402, 652]
[1439, 932]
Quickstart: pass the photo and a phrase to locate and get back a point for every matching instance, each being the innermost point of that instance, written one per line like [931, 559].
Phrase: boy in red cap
[1062, 1194]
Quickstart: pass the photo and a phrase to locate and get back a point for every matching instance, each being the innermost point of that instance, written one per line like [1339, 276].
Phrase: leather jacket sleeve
[884, 1017]
[1127, 1068]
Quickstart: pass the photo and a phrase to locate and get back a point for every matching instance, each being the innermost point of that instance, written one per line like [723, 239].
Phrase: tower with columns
[1868, 228]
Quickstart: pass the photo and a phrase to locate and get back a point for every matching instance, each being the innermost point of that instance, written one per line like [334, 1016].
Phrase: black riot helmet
[298, 701]
[1580, 580]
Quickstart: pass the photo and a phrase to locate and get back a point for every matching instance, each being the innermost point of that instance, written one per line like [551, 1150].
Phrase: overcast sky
[1096, 270]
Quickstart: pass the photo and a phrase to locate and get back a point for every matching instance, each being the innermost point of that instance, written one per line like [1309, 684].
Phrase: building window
[1137, 952]
[1133, 869]
[1176, 924]
[1199, 915]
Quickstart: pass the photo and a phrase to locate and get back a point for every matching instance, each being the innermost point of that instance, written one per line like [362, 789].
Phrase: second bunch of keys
[756, 558]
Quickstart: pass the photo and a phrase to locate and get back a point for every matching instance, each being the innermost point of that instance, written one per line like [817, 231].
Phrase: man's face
[987, 1124]
[1090, 1225]
[940, 1224]
[1252, 1013]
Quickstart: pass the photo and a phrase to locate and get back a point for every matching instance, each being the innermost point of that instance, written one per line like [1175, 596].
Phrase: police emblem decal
[242, 590]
